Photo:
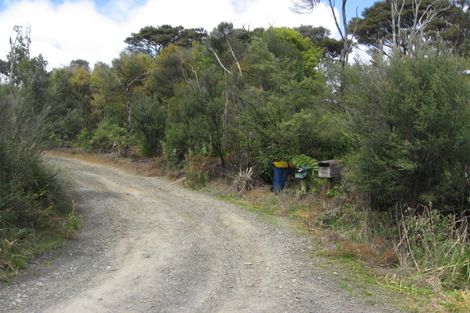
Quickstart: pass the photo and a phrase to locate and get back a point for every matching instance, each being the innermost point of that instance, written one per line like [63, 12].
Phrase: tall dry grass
[436, 246]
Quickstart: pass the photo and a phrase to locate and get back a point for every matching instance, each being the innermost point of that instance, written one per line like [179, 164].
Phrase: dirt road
[149, 245]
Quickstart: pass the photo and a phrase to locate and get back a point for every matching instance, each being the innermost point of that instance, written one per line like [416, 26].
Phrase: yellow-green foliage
[310, 54]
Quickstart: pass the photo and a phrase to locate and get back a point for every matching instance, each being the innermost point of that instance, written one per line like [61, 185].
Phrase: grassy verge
[36, 215]
[21, 245]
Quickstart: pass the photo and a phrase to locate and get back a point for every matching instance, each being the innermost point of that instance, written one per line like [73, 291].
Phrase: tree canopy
[443, 25]
[151, 40]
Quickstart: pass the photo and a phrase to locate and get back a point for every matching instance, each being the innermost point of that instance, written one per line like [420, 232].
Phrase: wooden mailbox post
[331, 170]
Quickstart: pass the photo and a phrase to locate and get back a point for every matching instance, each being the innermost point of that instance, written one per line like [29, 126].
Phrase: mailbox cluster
[329, 169]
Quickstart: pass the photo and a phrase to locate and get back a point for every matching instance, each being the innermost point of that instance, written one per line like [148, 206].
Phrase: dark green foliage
[4, 68]
[167, 73]
[195, 121]
[149, 122]
[28, 189]
[284, 112]
[151, 40]
[31, 197]
[112, 137]
[411, 121]
[320, 37]
[70, 101]
[35, 81]
[448, 31]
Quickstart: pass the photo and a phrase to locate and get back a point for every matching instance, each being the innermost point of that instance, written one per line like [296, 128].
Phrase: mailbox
[303, 172]
[329, 169]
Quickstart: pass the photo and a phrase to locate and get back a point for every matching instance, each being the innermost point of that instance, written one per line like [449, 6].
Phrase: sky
[94, 30]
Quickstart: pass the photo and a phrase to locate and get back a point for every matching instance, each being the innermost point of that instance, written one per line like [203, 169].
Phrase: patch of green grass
[456, 301]
[267, 214]
[358, 280]
[20, 246]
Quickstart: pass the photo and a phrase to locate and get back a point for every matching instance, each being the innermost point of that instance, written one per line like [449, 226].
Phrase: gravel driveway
[149, 245]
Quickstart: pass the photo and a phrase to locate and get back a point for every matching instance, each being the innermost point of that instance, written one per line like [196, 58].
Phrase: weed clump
[244, 181]
[437, 246]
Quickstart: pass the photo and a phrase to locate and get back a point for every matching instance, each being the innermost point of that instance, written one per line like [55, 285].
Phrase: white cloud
[76, 28]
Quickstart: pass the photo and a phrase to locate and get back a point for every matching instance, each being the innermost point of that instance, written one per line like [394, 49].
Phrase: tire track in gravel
[151, 246]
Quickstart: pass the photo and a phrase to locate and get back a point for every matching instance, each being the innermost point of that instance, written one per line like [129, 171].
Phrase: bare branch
[220, 62]
[304, 6]
[234, 57]
[332, 8]
[140, 77]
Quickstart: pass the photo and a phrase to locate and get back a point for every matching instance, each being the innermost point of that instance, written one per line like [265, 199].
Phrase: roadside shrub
[411, 120]
[198, 169]
[110, 137]
[149, 121]
[84, 139]
[31, 196]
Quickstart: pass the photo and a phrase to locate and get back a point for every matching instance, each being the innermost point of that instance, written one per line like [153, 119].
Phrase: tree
[227, 44]
[151, 40]
[132, 70]
[34, 80]
[19, 53]
[405, 26]
[80, 89]
[283, 114]
[80, 63]
[70, 96]
[344, 28]
[25, 72]
[320, 37]
[198, 111]
[170, 69]
[150, 122]
[107, 101]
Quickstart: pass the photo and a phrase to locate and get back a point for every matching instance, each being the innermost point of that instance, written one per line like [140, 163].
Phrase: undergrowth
[35, 211]
[198, 169]
[421, 252]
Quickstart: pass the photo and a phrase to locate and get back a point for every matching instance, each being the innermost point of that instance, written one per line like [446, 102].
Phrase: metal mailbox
[329, 169]
[303, 172]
